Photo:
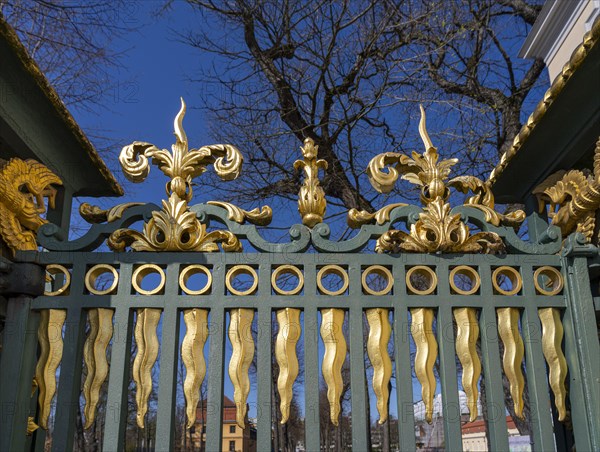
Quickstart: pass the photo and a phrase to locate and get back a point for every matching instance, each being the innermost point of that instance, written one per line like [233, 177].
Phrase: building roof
[35, 123]
[572, 96]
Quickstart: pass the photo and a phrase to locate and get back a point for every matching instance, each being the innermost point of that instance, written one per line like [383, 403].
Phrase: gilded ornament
[466, 349]
[146, 341]
[51, 349]
[260, 217]
[421, 328]
[287, 270]
[289, 332]
[94, 357]
[356, 218]
[192, 355]
[383, 273]
[242, 344]
[23, 186]
[175, 227]
[94, 214]
[380, 332]
[333, 359]
[436, 230]
[311, 199]
[332, 270]
[552, 335]
[572, 199]
[508, 329]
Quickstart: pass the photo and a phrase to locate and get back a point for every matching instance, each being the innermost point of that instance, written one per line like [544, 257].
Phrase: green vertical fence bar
[358, 385]
[448, 375]
[120, 359]
[16, 372]
[404, 391]
[264, 361]
[537, 377]
[585, 332]
[214, 409]
[312, 428]
[69, 382]
[167, 380]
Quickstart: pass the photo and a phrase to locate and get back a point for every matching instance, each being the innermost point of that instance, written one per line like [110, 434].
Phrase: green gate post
[581, 343]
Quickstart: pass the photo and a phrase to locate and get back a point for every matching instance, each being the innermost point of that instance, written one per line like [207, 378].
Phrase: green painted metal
[576, 302]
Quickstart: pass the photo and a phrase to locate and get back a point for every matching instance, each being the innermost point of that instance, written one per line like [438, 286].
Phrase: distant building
[474, 437]
[234, 438]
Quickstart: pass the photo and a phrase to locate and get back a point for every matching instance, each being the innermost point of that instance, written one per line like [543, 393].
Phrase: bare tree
[349, 75]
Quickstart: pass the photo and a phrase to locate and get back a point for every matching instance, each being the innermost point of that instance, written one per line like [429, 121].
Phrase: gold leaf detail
[552, 335]
[192, 355]
[51, 349]
[333, 360]
[94, 356]
[357, 218]
[146, 341]
[311, 199]
[508, 329]
[379, 335]
[94, 214]
[242, 343]
[466, 342]
[285, 353]
[260, 217]
[421, 329]
[23, 186]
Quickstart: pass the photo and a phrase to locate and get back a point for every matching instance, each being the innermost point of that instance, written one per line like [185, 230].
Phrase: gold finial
[423, 130]
[311, 199]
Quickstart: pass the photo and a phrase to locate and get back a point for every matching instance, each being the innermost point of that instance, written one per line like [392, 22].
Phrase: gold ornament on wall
[572, 199]
[23, 186]
[311, 199]
[437, 230]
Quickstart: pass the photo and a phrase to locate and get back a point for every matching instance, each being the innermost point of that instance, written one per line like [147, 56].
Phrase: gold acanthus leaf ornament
[573, 199]
[23, 186]
[436, 230]
[311, 199]
[175, 227]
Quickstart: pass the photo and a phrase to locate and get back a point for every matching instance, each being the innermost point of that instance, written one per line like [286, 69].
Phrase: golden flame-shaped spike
[466, 341]
[146, 341]
[94, 357]
[334, 341]
[178, 124]
[380, 331]
[508, 329]
[192, 355]
[285, 353]
[51, 350]
[423, 130]
[552, 335]
[242, 343]
[421, 329]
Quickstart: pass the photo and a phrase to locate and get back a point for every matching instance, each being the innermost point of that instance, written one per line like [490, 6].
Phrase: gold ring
[381, 271]
[92, 276]
[190, 271]
[470, 273]
[332, 270]
[241, 270]
[141, 272]
[555, 280]
[425, 271]
[55, 269]
[290, 270]
[513, 276]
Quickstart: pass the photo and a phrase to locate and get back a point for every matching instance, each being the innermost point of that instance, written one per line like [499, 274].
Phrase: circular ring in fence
[332, 270]
[190, 271]
[141, 272]
[241, 270]
[553, 281]
[379, 270]
[54, 270]
[426, 275]
[512, 275]
[94, 273]
[287, 270]
[467, 272]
